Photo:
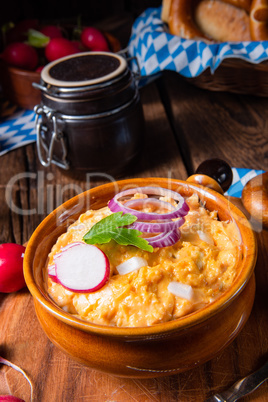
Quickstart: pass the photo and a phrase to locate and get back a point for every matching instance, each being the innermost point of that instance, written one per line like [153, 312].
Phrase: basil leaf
[110, 228]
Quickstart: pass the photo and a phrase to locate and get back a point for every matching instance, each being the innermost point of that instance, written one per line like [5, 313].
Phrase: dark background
[90, 11]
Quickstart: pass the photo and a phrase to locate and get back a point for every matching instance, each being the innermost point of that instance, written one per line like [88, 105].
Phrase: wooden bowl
[17, 83]
[142, 352]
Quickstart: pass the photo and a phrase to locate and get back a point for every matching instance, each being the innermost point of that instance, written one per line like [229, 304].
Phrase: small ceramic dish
[17, 85]
[153, 351]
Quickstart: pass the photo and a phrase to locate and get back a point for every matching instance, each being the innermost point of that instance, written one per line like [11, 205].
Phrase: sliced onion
[152, 201]
[181, 210]
[132, 264]
[157, 227]
[164, 239]
[163, 223]
[181, 290]
[205, 237]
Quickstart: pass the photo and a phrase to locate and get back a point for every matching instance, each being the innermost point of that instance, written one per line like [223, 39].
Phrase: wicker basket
[237, 76]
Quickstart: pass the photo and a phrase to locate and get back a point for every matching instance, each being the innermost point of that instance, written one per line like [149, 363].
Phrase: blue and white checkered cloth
[157, 50]
[240, 178]
[16, 129]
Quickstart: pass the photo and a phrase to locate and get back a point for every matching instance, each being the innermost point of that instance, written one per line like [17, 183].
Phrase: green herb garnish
[110, 228]
[37, 39]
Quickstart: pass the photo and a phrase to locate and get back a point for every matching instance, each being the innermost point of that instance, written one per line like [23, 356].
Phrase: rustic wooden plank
[55, 376]
[234, 128]
[213, 124]
[161, 155]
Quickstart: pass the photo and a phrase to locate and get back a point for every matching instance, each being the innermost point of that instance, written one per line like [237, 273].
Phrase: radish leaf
[37, 39]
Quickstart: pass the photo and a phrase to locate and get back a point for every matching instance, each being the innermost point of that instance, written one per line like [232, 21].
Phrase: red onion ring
[164, 239]
[163, 224]
[152, 201]
[157, 227]
[181, 209]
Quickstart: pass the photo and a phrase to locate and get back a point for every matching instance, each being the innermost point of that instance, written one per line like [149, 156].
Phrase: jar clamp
[90, 114]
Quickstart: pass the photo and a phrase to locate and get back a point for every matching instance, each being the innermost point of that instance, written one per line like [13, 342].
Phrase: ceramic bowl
[17, 83]
[159, 350]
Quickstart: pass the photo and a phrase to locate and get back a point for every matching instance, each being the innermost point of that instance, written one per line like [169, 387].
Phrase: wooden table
[185, 125]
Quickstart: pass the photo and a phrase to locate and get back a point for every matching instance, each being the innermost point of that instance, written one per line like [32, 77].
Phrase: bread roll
[217, 20]
[259, 20]
[181, 19]
[165, 10]
[221, 21]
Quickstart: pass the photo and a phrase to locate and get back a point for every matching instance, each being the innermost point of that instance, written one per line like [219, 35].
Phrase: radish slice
[51, 270]
[132, 264]
[52, 273]
[82, 268]
[181, 290]
[70, 245]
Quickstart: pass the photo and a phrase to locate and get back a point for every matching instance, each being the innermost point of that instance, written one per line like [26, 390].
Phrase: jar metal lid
[83, 69]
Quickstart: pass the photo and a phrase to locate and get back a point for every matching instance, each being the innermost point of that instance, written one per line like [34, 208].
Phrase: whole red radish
[21, 55]
[10, 398]
[52, 31]
[59, 47]
[79, 45]
[94, 40]
[39, 69]
[11, 267]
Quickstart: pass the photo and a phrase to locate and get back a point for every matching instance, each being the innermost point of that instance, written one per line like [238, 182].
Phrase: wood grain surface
[184, 126]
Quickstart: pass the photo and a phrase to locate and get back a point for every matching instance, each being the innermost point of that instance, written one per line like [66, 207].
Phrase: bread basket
[238, 67]
[235, 76]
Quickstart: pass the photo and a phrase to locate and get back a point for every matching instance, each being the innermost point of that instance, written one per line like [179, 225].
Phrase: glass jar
[90, 117]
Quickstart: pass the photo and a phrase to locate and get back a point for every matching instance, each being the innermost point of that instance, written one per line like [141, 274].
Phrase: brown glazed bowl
[143, 352]
[17, 83]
